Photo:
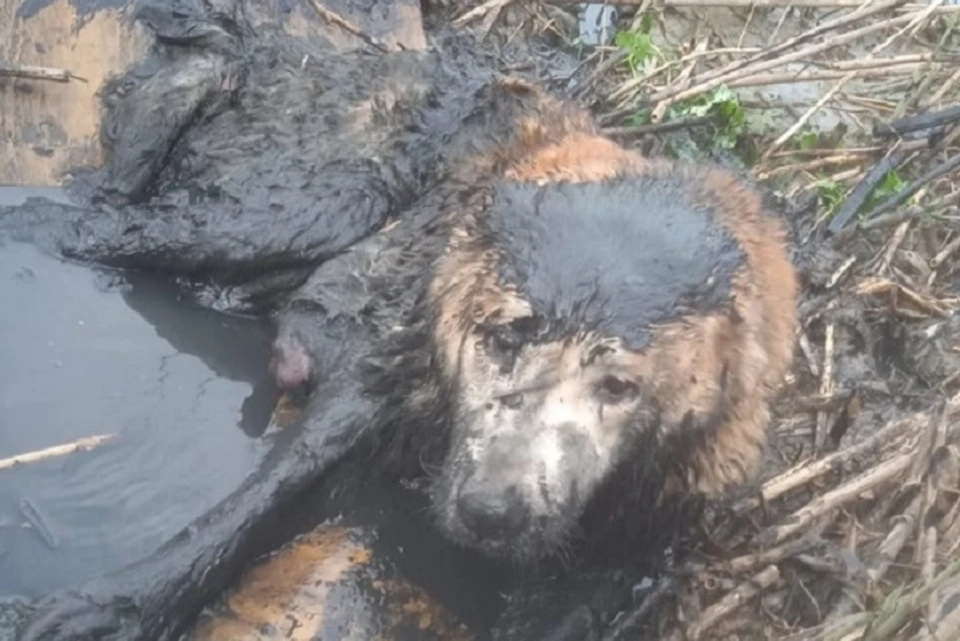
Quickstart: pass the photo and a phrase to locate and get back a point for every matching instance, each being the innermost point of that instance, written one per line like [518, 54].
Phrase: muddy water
[87, 353]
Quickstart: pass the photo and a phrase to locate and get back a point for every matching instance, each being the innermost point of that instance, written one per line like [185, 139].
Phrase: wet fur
[714, 372]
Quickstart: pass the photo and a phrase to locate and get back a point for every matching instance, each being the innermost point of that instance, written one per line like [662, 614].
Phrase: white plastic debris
[597, 23]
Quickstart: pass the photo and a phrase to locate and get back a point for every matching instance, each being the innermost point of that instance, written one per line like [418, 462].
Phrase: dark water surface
[86, 352]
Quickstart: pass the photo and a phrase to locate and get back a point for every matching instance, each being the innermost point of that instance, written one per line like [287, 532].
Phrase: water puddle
[171, 392]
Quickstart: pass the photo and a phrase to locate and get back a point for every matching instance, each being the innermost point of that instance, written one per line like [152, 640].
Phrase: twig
[733, 600]
[826, 387]
[664, 588]
[881, 286]
[945, 253]
[658, 127]
[836, 498]
[39, 524]
[943, 623]
[892, 246]
[481, 11]
[804, 342]
[909, 145]
[884, 628]
[763, 79]
[901, 197]
[802, 120]
[339, 21]
[938, 95]
[929, 569]
[81, 444]
[870, 63]
[750, 562]
[865, 187]
[917, 123]
[31, 72]
[864, 11]
[671, 95]
[805, 472]
[816, 4]
[841, 272]
[892, 545]
[810, 165]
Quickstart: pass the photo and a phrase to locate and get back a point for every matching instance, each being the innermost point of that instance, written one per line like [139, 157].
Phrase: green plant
[831, 195]
[807, 140]
[891, 185]
[639, 45]
[724, 105]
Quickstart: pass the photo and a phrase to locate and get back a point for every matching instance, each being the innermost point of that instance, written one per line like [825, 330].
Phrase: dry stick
[847, 65]
[887, 220]
[945, 253]
[929, 569]
[803, 473]
[835, 498]
[31, 72]
[859, 195]
[841, 271]
[760, 79]
[793, 129]
[807, 350]
[750, 562]
[802, 120]
[892, 246]
[910, 124]
[81, 444]
[632, 84]
[733, 600]
[481, 11]
[826, 387]
[811, 165]
[776, 30]
[658, 127]
[865, 11]
[944, 88]
[914, 24]
[893, 544]
[816, 4]
[746, 25]
[895, 201]
[886, 628]
[951, 537]
[910, 145]
[339, 21]
[943, 624]
[664, 588]
[738, 69]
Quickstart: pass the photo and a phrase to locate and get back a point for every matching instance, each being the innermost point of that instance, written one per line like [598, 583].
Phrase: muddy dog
[468, 281]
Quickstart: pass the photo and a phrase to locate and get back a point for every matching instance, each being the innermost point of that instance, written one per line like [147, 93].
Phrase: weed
[642, 53]
[831, 195]
[729, 119]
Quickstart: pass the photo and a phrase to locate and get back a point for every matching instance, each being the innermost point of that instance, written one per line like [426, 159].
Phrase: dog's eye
[616, 390]
[503, 343]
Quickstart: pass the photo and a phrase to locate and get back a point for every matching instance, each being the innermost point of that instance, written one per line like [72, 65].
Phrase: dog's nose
[494, 513]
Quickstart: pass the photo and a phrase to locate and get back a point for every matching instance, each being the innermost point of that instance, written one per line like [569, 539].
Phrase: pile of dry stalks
[854, 531]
